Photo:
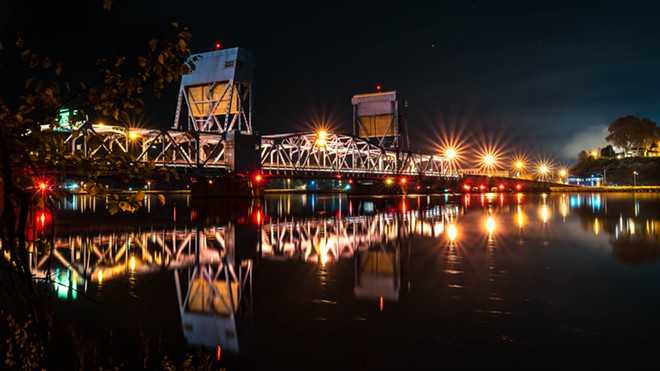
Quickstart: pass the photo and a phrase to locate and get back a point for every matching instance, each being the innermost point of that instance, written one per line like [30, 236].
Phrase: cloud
[590, 138]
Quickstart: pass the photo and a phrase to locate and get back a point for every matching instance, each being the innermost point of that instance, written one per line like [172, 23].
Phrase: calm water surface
[307, 282]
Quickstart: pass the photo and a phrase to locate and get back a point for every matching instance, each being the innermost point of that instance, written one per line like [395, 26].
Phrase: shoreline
[623, 189]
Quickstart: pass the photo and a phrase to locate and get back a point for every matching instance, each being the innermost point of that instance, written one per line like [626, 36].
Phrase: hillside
[620, 172]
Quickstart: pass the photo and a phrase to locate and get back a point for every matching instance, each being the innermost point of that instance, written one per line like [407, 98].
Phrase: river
[327, 282]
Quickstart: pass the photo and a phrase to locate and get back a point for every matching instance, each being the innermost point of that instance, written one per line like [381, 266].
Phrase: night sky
[543, 77]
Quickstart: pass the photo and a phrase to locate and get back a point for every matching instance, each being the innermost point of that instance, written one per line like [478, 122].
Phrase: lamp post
[489, 161]
[450, 153]
[634, 178]
[519, 167]
[562, 176]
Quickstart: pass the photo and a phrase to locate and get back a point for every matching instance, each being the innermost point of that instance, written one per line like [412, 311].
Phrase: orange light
[42, 219]
[257, 217]
[518, 186]
[350, 181]
[501, 186]
[482, 187]
[258, 178]
[43, 186]
[218, 353]
[466, 187]
[403, 180]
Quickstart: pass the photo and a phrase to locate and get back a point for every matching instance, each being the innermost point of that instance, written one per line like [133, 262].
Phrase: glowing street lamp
[489, 162]
[450, 155]
[562, 175]
[543, 170]
[519, 167]
[635, 178]
[321, 139]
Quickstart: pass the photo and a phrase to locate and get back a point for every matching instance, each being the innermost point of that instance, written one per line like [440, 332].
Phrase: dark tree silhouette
[630, 132]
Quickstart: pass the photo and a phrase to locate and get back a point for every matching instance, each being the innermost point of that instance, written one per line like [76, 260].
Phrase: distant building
[594, 180]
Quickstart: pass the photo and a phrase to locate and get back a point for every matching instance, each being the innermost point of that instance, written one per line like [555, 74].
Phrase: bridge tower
[218, 93]
[380, 119]
[218, 100]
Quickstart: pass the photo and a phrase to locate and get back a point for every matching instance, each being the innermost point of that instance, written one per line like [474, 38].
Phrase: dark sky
[547, 77]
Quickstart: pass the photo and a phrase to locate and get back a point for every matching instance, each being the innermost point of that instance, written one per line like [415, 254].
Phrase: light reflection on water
[444, 274]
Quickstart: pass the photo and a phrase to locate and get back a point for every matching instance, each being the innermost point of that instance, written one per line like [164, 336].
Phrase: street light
[519, 167]
[489, 162]
[543, 171]
[562, 174]
[450, 154]
[634, 178]
[320, 139]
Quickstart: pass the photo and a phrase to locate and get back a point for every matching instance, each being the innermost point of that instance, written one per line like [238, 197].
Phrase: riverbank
[628, 189]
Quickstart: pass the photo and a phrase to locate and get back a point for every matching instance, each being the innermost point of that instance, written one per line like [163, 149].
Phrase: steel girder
[332, 154]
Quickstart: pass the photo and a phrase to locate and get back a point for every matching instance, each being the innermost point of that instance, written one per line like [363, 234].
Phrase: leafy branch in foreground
[34, 154]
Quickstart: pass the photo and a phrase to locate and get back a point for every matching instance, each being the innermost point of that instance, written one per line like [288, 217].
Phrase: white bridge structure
[213, 133]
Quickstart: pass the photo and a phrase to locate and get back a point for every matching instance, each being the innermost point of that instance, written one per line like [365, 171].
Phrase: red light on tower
[218, 45]
[378, 88]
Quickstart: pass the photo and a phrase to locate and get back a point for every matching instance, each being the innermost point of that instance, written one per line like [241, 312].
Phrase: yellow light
[450, 153]
[132, 135]
[99, 276]
[544, 213]
[519, 165]
[521, 218]
[389, 181]
[562, 172]
[596, 227]
[452, 232]
[489, 159]
[490, 224]
[543, 169]
[132, 263]
[320, 139]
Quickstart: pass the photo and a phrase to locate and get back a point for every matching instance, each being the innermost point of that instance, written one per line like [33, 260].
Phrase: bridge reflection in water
[212, 263]
[212, 249]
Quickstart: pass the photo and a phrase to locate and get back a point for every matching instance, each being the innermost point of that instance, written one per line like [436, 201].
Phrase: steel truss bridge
[290, 155]
[213, 135]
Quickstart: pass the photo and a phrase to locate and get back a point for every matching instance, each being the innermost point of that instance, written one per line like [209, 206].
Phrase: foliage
[33, 154]
[21, 350]
[632, 132]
